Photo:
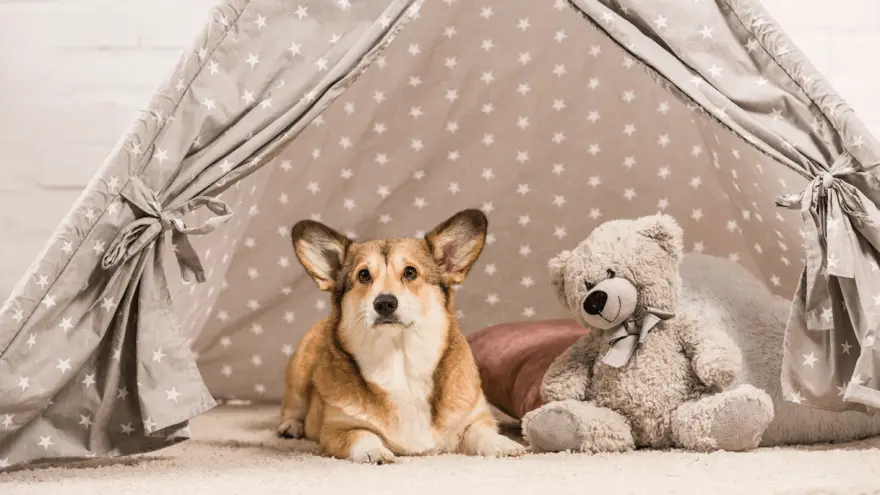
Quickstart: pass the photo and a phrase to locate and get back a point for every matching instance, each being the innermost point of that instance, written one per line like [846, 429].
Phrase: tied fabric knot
[135, 236]
[627, 337]
[832, 210]
[827, 180]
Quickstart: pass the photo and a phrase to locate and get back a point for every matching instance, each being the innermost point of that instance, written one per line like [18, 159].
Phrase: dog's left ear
[457, 243]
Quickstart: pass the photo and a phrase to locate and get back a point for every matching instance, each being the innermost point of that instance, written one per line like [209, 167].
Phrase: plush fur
[389, 373]
[677, 389]
[726, 295]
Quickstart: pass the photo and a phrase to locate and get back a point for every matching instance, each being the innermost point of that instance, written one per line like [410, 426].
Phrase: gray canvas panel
[548, 138]
[94, 360]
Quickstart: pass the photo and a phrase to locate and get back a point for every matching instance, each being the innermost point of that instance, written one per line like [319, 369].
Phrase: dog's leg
[355, 444]
[481, 437]
[295, 403]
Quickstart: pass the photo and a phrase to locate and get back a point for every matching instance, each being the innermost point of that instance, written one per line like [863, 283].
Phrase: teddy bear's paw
[577, 427]
[741, 419]
[733, 420]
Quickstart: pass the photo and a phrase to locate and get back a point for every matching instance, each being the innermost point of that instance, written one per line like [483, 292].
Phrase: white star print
[172, 394]
[660, 22]
[108, 304]
[809, 359]
[253, 60]
[45, 442]
[85, 420]
[158, 355]
[8, 420]
[49, 301]
[66, 324]
[63, 365]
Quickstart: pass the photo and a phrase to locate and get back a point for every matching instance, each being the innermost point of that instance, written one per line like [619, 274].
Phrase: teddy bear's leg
[573, 425]
[732, 420]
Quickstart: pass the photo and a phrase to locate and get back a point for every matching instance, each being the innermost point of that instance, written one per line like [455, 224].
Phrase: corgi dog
[388, 372]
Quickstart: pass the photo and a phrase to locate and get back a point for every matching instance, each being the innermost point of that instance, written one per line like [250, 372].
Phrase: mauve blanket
[513, 358]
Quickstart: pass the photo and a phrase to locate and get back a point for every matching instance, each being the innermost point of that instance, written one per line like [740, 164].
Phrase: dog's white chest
[404, 369]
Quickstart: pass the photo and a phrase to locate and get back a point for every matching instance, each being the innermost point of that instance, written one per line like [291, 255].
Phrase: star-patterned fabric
[173, 283]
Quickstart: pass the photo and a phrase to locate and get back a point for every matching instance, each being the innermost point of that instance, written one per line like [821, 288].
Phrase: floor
[234, 450]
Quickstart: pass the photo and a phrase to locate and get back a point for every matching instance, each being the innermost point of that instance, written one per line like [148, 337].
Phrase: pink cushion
[513, 358]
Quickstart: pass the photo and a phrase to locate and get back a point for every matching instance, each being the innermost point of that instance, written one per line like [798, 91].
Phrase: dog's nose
[385, 304]
[595, 302]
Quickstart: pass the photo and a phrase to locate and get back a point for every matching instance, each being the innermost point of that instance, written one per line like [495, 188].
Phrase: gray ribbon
[630, 334]
[833, 210]
[144, 231]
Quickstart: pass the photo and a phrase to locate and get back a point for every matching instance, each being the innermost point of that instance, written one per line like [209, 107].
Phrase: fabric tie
[831, 209]
[142, 232]
[626, 338]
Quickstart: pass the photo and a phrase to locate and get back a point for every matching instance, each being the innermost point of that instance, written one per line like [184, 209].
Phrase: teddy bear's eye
[588, 285]
[611, 273]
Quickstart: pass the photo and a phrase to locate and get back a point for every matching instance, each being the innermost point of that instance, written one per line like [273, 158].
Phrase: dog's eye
[410, 273]
[611, 273]
[364, 276]
[589, 285]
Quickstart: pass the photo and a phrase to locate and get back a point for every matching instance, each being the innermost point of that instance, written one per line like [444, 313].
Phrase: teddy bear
[647, 374]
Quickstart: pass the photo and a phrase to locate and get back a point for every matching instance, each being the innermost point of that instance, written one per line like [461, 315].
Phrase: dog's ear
[321, 251]
[457, 243]
[556, 270]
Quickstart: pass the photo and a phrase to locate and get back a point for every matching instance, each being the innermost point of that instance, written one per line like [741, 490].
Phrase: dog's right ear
[321, 251]
[556, 268]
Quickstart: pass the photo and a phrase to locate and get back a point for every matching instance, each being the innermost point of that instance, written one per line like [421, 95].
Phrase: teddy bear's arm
[716, 358]
[568, 376]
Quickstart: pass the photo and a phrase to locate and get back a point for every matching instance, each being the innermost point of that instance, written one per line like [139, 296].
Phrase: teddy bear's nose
[595, 302]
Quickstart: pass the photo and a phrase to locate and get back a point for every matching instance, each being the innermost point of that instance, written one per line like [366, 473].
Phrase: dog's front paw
[499, 446]
[374, 455]
[291, 428]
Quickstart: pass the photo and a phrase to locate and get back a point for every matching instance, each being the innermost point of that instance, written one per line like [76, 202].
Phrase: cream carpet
[234, 451]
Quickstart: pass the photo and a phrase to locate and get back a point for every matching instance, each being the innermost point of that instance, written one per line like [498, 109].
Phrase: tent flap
[95, 363]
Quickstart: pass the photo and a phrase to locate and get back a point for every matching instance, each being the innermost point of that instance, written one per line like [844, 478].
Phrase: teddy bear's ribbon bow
[630, 334]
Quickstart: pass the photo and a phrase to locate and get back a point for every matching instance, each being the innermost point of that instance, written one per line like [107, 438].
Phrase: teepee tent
[172, 282]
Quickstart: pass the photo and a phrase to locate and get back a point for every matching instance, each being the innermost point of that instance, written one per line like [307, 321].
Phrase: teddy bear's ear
[556, 268]
[665, 231]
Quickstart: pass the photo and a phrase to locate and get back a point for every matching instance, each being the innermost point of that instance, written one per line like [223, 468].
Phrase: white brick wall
[74, 72]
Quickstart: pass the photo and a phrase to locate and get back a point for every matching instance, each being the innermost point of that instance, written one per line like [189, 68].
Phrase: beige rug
[234, 451]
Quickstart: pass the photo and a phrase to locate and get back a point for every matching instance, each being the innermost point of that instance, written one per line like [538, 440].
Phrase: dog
[388, 372]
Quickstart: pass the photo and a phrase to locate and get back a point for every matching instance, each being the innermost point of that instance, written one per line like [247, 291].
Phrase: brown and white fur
[388, 373]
